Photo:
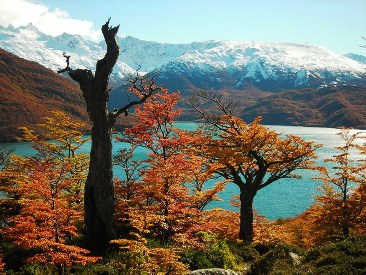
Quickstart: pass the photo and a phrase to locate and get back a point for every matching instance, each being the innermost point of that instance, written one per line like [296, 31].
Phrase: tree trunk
[61, 269]
[99, 200]
[246, 215]
[99, 192]
[345, 218]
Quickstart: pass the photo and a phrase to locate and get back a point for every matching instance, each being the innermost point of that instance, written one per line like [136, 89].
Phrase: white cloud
[53, 22]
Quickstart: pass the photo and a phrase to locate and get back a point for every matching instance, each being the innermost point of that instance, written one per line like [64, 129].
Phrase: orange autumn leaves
[48, 217]
[340, 206]
[252, 157]
[46, 192]
[242, 145]
[164, 196]
[170, 187]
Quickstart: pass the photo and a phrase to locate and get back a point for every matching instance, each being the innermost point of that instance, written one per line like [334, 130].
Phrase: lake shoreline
[283, 199]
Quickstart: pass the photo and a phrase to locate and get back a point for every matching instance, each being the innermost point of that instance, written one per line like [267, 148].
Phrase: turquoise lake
[282, 199]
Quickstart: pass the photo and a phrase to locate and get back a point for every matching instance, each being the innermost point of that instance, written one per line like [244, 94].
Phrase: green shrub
[120, 263]
[246, 252]
[221, 256]
[342, 257]
[195, 259]
[218, 255]
[278, 260]
[37, 269]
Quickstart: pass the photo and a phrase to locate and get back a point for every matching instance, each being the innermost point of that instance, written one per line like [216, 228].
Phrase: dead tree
[99, 195]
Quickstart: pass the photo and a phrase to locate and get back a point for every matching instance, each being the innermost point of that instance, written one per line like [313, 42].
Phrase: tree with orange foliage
[340, 208]
[61, 128]
[251, 156]
[170, 188]
[163, 195]
[59, 139]
[47, 191]
[46, 221]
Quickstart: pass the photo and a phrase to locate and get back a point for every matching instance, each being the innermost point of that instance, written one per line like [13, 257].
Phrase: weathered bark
[99, 198]
[246, 231]
[248, 190]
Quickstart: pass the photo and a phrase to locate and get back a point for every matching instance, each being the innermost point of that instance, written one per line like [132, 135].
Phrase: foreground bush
[344, 257]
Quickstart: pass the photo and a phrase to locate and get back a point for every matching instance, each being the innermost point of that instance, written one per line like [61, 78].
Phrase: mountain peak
[30, 26]
[10, 27]
[30, 30]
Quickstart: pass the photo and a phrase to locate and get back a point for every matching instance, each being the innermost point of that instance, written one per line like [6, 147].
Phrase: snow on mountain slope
[257, 62]
[29, 43]
[284, 65]
[356, 57]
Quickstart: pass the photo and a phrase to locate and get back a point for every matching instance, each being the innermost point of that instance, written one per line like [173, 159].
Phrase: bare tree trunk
[99, 195]
[99, 199]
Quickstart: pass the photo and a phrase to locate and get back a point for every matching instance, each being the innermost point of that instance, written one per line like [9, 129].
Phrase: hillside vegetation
[325, 107]
[29, 91]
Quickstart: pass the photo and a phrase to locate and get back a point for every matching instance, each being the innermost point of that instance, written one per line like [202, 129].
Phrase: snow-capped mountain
[357, 57]
[209, 64]
[31, 44]
[268, 65]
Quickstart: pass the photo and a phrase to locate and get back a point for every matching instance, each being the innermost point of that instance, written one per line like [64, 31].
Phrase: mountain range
[199, 65]
[285, 83]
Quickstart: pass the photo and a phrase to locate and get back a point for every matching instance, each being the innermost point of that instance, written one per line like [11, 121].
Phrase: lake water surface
[284, 198]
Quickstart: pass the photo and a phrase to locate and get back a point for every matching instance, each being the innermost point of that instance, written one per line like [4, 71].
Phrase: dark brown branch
[199, 101]
[225, 107]
[67, 68]
[105, 65]
[144, 92]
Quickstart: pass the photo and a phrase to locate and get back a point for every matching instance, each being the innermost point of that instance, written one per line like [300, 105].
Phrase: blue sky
[335, 24]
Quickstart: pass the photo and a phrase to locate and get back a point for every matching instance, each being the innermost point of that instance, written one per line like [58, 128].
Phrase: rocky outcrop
[214, 271]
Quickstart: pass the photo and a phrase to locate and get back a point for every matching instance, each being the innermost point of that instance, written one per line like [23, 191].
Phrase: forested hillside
[326, 107]
[29, 91]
